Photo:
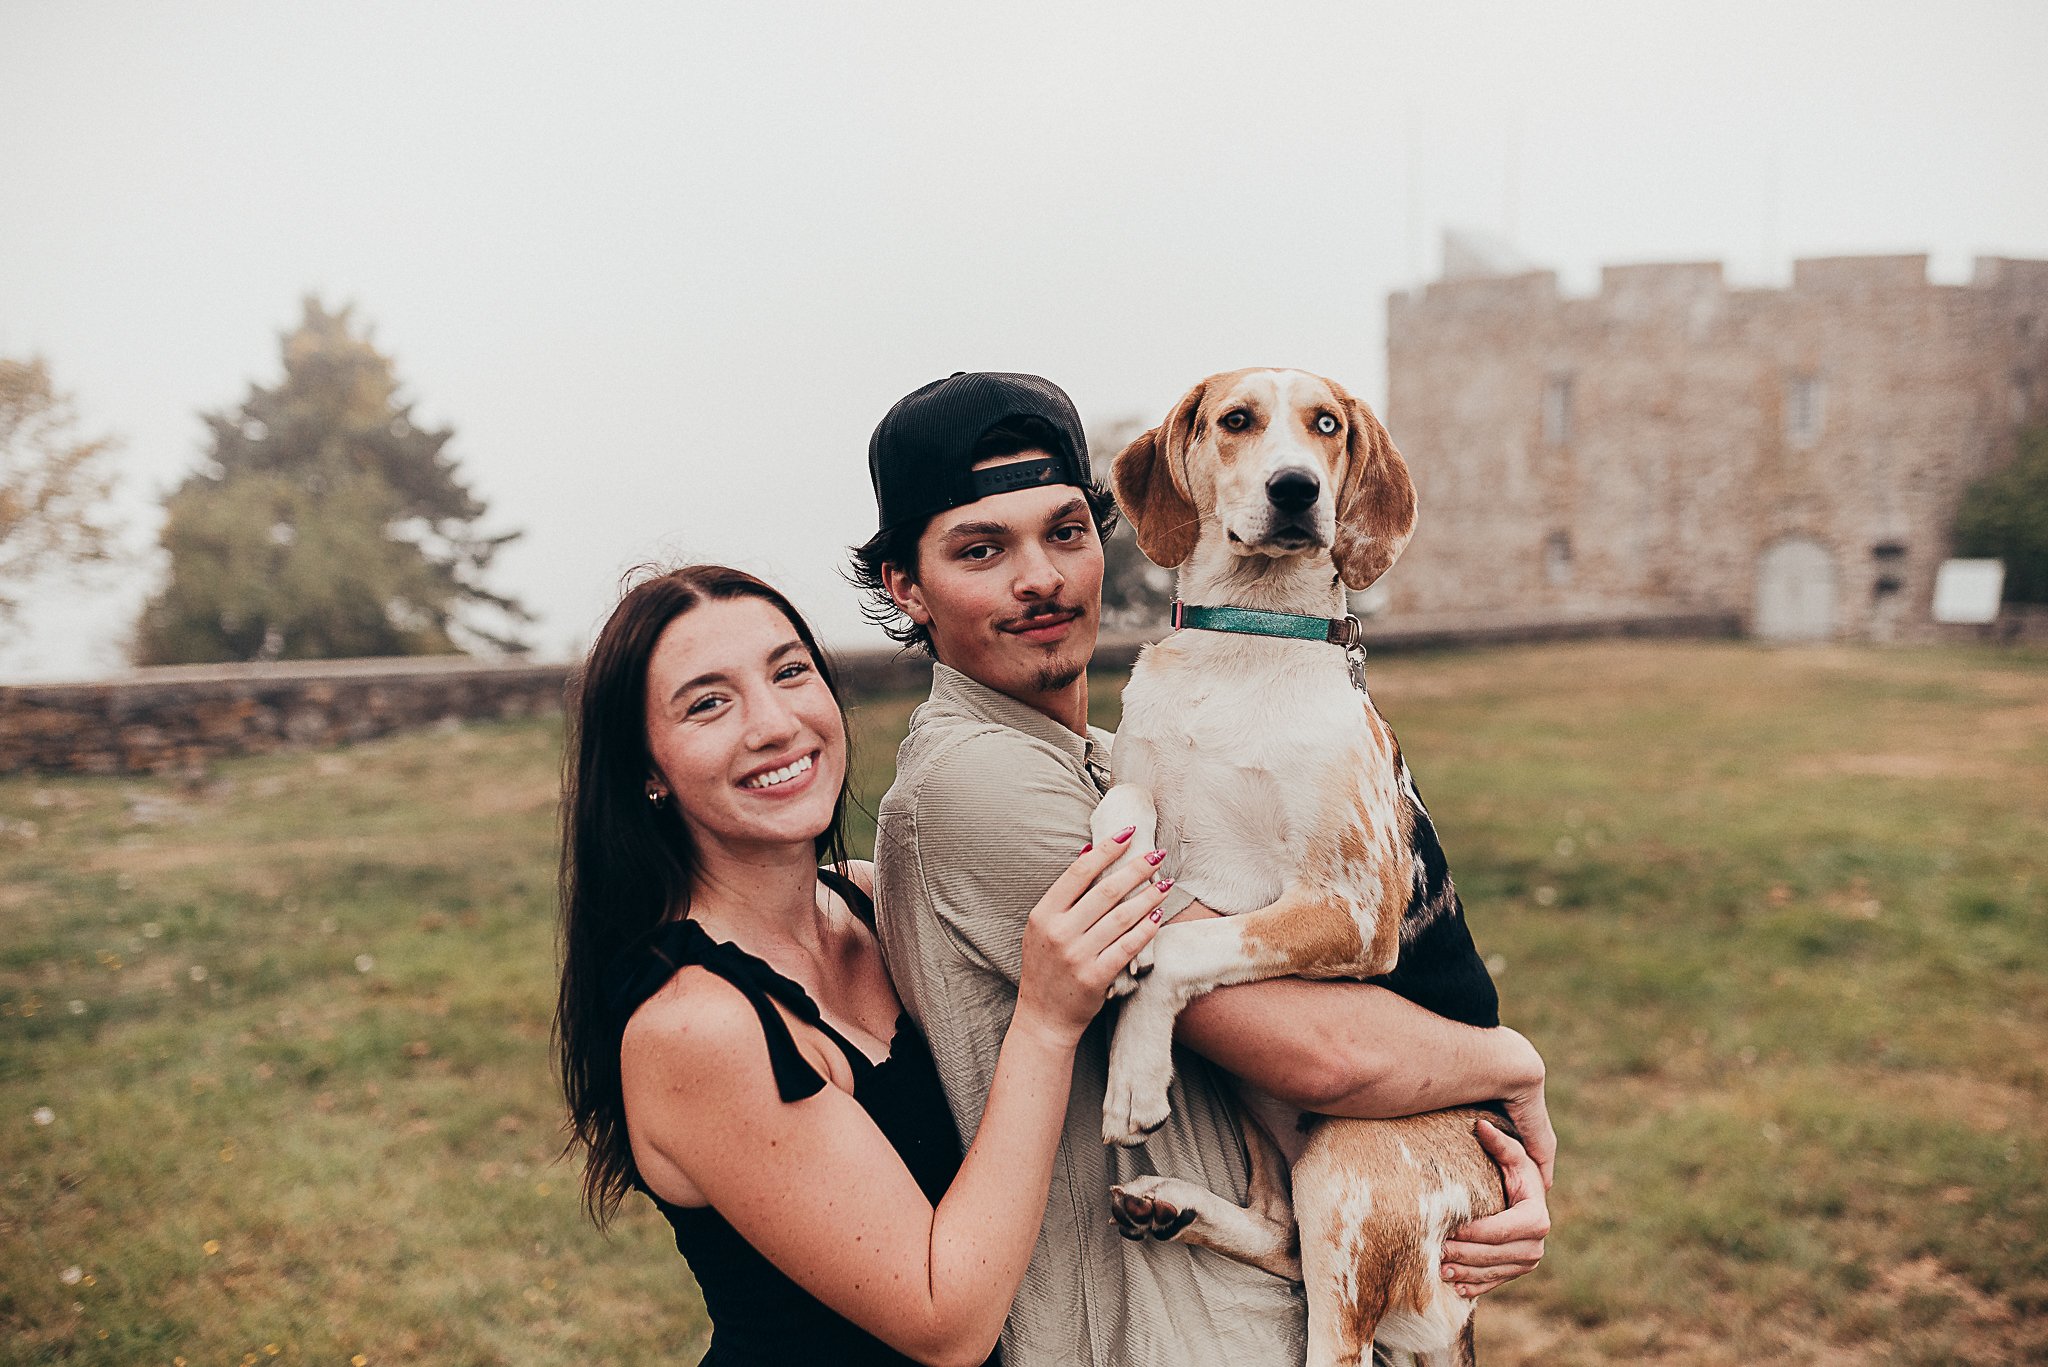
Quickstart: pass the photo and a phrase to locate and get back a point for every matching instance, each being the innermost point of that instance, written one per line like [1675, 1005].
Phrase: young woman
[729, 1041]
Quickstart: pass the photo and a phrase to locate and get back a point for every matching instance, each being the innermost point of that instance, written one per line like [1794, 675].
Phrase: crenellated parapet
[1670, 439]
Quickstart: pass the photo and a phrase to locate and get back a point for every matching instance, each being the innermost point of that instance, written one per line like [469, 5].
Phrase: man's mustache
[1038, 615]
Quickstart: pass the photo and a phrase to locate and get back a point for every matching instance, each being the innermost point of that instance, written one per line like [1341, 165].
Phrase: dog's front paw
[1154, 1207]
[1134, 1105]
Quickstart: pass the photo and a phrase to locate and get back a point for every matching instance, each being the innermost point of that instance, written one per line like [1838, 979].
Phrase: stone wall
[1647, 448]
[176, 720]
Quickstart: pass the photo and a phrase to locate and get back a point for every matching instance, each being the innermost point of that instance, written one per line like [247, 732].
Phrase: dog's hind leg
[1166, 1208]
[1260, 1232]
[1346, 1300]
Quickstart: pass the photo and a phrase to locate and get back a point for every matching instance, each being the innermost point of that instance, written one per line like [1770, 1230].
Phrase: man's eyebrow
[967, 531]
[719, 675]
[962, 531]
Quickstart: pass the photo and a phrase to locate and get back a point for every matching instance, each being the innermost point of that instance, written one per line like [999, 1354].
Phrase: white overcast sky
[663, 265]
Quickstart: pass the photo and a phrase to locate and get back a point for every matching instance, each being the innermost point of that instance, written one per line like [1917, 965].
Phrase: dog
[1263, 765]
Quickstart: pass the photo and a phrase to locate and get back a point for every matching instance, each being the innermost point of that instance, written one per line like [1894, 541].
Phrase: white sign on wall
[1968, 590]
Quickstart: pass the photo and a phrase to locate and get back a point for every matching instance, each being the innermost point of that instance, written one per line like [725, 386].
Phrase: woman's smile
[783, 779]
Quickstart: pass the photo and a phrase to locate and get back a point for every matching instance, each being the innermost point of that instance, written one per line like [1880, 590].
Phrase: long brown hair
[627, 865]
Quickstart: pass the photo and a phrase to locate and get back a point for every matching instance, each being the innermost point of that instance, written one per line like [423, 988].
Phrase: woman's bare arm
[817, 1189]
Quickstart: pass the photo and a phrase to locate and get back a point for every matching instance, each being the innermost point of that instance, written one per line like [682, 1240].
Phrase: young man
[989, 556]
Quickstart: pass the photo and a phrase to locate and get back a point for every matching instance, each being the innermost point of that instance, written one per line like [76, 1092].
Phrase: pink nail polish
[1125, 834]
[1163, 884]
[1155, 915]
[1154, 858]
[1087, 847]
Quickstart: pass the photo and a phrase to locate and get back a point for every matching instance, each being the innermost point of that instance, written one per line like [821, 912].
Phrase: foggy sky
[664, 265]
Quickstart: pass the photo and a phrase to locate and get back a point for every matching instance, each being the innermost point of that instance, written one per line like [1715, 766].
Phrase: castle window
[1557, 410]
[1803, 402]
[1557, 559]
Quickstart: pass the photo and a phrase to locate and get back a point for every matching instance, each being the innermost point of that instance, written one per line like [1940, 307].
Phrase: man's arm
[1353, 1049]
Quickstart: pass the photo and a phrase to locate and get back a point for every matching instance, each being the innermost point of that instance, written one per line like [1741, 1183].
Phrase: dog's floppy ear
[1376, 506]
[1147, 478]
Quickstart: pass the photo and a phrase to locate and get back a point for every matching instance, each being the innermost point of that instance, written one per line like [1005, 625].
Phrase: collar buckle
[1347, 631]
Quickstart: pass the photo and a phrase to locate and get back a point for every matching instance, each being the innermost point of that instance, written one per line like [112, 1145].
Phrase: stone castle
[1794, 456]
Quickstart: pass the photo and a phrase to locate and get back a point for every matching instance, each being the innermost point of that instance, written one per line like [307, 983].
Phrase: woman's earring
[656, 798]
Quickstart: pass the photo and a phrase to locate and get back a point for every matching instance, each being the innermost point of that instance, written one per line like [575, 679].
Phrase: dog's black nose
[1293, 490]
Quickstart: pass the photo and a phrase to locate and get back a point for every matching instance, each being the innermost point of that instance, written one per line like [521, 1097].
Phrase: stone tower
[1792, 455]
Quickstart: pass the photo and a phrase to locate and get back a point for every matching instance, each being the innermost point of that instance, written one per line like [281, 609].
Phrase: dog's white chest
[1245, 744]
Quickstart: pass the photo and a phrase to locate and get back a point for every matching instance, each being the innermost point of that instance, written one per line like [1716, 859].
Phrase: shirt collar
[957, 692]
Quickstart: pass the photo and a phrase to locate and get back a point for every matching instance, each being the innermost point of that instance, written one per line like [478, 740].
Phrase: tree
[2005, 517]
[53, 483]
[325, 523]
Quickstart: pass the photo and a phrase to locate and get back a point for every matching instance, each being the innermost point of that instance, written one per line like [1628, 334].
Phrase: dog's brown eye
[1327, 425]
[1236, 420]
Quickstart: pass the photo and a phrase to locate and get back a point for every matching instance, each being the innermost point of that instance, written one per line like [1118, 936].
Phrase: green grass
[1779, 921]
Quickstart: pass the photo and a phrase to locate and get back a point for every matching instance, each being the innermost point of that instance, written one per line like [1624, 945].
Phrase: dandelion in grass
[197, 973]
[358, 1361]
[71, 1276]
[88, 1280]
[211, 1247]
[364, 963]
[43, 1115]
[75, 1007]
[1546, 896]
[151, 930]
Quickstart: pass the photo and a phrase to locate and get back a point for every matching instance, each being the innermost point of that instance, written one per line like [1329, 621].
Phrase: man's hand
[1484, 1254]
[1531, 1116]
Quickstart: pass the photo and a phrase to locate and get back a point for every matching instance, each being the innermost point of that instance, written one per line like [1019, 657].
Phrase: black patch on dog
[1439, 968]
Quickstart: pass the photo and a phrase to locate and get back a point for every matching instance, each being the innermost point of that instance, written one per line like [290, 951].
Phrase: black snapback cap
[921, 455]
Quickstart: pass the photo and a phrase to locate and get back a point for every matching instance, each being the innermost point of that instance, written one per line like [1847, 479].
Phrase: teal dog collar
[1337, 631]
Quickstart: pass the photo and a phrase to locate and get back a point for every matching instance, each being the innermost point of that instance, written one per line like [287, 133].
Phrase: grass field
[274, 1047]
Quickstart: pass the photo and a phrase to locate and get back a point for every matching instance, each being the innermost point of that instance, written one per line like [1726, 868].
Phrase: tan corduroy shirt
[991, 802]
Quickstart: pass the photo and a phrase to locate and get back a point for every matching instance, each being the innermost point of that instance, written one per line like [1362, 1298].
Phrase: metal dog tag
[1355, 658]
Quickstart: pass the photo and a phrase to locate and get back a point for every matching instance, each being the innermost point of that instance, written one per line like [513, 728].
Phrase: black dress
[759, 1316]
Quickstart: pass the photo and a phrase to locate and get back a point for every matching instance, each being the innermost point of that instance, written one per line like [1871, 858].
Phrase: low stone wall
[177, 719]
[172, 719]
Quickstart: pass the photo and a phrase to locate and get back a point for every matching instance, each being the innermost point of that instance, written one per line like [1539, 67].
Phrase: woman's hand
[1484, 1254]
[1089, 924]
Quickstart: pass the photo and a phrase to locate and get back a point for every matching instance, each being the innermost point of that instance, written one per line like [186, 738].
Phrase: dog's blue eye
[1327, 425]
